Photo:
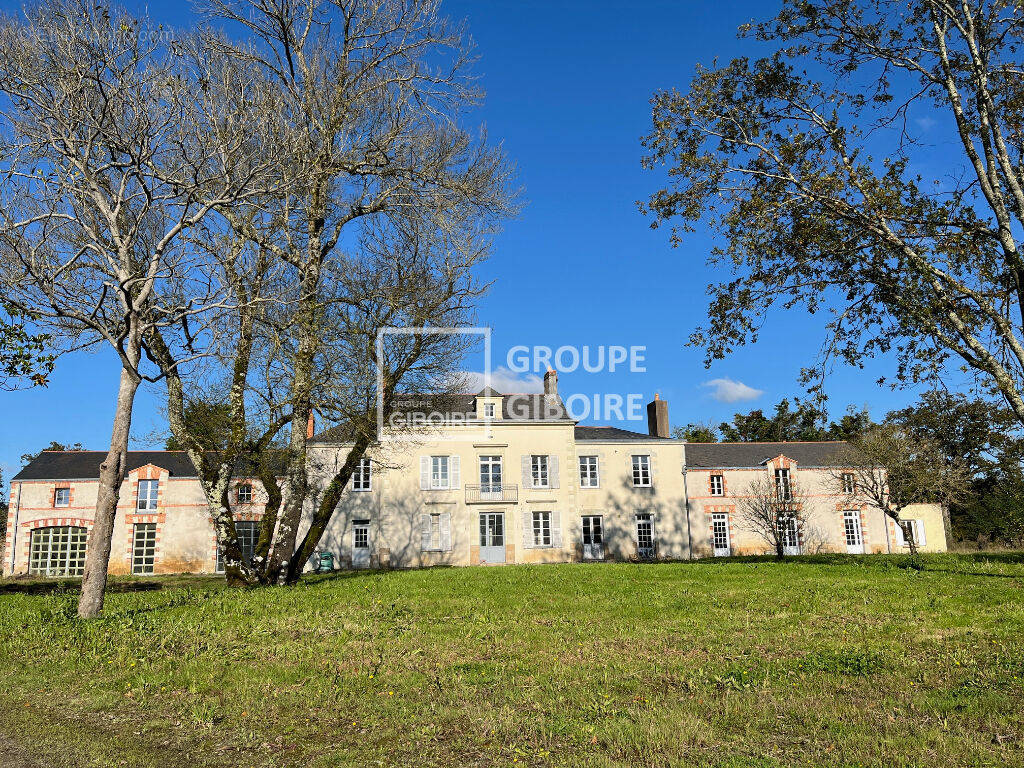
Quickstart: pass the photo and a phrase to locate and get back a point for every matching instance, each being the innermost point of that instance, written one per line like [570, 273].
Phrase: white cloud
[925, 123]
[503, 380]
[729, 391]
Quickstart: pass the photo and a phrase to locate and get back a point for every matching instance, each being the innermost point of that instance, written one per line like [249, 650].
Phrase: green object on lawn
[325, 562]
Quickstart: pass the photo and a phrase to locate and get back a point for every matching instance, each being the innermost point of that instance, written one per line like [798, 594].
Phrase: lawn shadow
[49, 587]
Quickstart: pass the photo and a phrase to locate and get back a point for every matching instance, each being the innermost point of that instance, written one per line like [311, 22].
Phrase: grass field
[820, 661]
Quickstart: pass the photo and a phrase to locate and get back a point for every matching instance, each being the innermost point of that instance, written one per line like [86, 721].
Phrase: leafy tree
[208, 422]
[803, 421]
[53, 446]
[3, 514]
[25, 354]
[807, 162]
[697, 433]
[983, 434]
[985, 437]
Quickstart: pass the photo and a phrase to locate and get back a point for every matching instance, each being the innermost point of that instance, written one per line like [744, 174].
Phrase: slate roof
[715, 455]
[83, 465]
[584, 433]
[438, 408]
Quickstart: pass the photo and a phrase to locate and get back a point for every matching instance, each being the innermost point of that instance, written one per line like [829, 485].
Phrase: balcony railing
[492, 494]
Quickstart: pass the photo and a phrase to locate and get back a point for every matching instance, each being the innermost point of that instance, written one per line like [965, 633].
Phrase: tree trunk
[297, 471]
[112, 472]
[325, 510]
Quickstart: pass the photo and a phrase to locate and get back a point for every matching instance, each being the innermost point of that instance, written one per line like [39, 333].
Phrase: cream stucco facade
[500, 484]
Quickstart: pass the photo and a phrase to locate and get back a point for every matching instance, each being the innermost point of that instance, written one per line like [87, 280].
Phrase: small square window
[243, 493]
[717, 485]
[148, 490]
[488, 410]
[62, 497]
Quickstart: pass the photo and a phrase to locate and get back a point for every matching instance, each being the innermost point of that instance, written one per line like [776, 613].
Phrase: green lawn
[819, 661]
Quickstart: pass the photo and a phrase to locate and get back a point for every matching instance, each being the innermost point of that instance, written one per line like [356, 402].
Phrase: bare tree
[374, 91]
[774, 511]
[890, 469]
[107, 162]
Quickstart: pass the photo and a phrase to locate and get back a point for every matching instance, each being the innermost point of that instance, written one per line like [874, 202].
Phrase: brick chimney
[310, 426]
[551, 383]
[657, 417]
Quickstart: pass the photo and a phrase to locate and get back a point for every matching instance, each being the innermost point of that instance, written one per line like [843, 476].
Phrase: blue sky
[568, 85]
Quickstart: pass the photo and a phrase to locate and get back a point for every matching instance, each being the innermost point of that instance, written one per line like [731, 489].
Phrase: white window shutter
[527, 530]
[425, 532]
[527, 473]
[424, 473]
[556, 529]
[446, 530]
[553, 471]
[454, 473]
[919, 532]
[599, 459]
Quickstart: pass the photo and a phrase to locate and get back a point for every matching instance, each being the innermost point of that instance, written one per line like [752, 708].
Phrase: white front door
[593, 537]
[361, 544]
[492, 537]
[720, 534]
[790, 535]
[854, 535]
[645, 536]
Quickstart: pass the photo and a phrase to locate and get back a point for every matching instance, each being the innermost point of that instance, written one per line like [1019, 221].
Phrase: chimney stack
[310, 426]
[551, 383]
[657, 417]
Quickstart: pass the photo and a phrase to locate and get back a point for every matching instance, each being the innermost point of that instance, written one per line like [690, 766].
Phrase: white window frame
[851, 525]
[916, 526]
[542, 529]
[540, 471]
[491, 460]
[590, 472]
[849, 483]
[57, 496]
[720, 518]
[718, 488]
[147, 500]
[248, 493]
[488, 410]
[652, 550]
[784, 484]
[361, 530]
[362, 476]
[440, 473]
[641, 470]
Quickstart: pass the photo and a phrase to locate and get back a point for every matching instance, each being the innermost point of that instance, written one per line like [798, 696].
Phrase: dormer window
[488, 410]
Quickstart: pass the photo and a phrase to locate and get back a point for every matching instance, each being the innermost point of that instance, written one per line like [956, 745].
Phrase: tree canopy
[808, 162]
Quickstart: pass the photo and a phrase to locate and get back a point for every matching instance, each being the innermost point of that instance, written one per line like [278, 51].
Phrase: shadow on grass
[39, 586]
[932, 562]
